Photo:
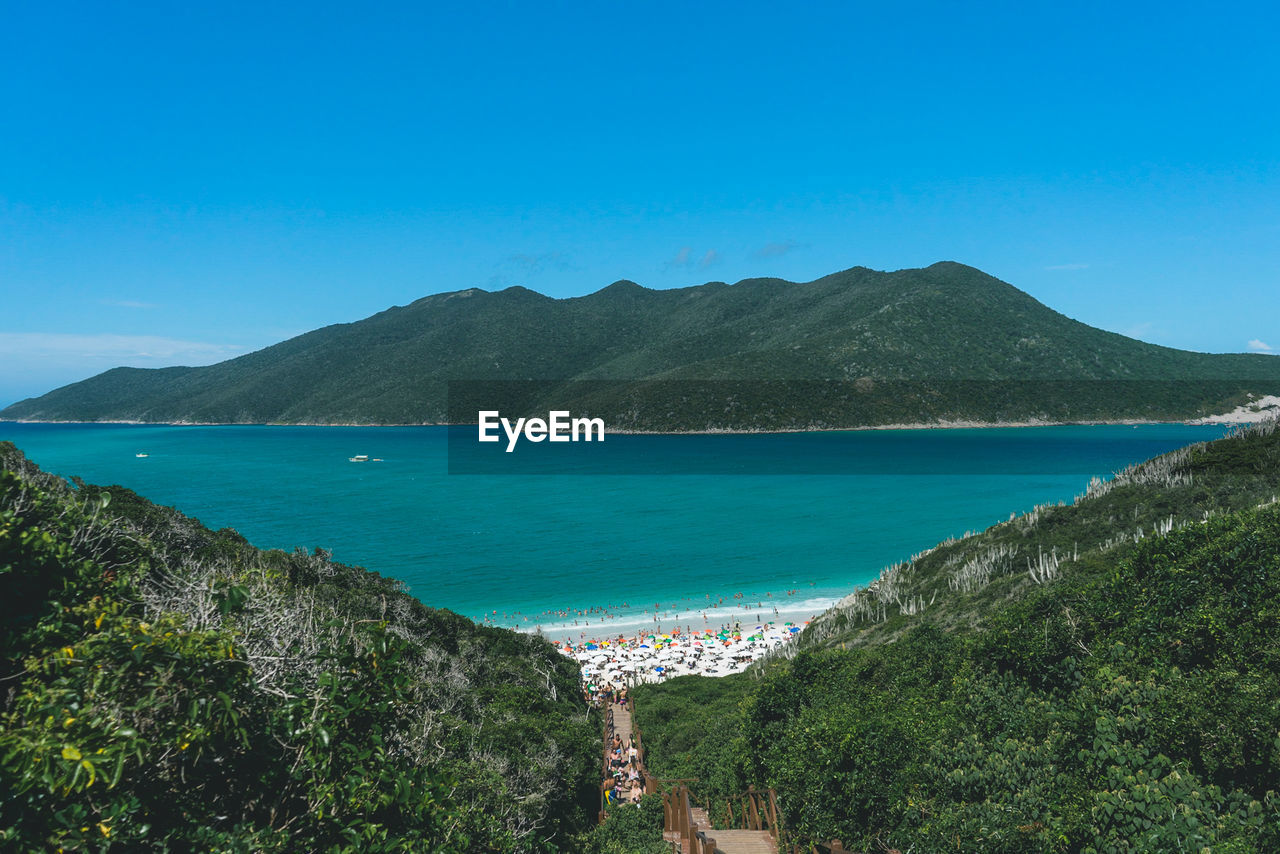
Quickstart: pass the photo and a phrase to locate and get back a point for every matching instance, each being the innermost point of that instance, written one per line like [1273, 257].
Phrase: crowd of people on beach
[655, 657]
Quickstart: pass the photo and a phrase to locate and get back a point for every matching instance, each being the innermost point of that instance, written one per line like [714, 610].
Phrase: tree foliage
[1130, 704]
[170, 687]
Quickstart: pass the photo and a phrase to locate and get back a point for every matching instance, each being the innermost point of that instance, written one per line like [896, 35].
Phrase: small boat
[359, 458]
[140, 456]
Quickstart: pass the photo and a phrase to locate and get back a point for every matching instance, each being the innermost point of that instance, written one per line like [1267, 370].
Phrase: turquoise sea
[533, 549]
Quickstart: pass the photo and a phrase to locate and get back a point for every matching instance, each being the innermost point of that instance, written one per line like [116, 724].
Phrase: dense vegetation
[857, 347]
[167, 687]
[630, 829]
[1100, 689]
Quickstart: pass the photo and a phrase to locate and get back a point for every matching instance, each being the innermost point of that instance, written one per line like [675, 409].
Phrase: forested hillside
[167, 687]
[1102, 676]
[858, 347]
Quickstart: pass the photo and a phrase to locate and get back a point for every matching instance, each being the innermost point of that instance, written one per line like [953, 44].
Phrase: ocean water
[604, 550]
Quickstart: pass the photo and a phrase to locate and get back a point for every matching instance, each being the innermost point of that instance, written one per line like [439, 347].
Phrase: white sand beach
[1254, 412]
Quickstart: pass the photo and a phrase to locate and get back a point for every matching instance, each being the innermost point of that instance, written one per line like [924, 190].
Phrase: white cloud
[117, 349]
[1140, 330]
[710, 258]
[32, 363]
[532, 264]
[522, 266]
[1058, 267]
[773, 250]
[682, 258]
[1260, 346]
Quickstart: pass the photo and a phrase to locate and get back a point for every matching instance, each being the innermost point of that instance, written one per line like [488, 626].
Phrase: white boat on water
[141, 455]
[359, 458]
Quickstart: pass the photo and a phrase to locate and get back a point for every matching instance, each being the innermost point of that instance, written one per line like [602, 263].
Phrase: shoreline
[692, 614]
[688, 614]
[1232, 418]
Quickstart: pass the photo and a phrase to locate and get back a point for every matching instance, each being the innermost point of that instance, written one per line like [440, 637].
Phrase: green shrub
[173, 688]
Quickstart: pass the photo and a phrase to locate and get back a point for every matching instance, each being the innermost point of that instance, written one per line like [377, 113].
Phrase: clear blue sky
[181, 183]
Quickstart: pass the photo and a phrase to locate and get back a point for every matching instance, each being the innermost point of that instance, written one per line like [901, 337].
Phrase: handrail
[775, 817]
[604, 759]
[757, 811]
[835, 846]
[657, 780]
[608, 731]
[677, 817]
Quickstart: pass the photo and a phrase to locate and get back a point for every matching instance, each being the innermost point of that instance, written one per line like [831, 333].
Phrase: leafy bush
[171, 687]
[629, 829]
[1133, 704]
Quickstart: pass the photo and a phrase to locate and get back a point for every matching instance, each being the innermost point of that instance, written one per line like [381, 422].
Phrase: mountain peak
[520, 291]
[952, 266]
[622, 286]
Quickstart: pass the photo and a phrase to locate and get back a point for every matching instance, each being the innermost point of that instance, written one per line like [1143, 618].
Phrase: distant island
[942, 344]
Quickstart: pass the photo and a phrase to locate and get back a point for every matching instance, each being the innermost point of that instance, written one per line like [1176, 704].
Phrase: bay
[575, 552]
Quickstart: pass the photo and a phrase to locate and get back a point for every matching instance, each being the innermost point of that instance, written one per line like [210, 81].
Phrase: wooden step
[622, 723]
[743, 842]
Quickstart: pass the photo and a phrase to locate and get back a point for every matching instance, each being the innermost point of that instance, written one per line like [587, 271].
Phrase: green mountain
[856, 347]
[171, 688]
[1096, 676]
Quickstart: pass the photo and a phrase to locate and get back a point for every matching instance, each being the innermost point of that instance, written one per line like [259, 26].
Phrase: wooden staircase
[755, 825]
[752, 821]
[689, 828]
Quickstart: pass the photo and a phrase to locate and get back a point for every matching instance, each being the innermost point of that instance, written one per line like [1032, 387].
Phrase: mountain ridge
[941, 323]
